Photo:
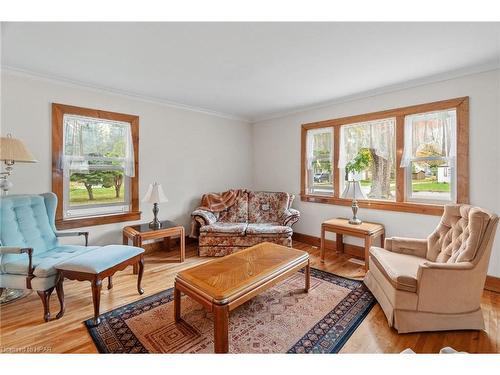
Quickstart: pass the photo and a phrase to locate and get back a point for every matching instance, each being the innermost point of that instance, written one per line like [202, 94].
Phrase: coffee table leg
[307, 275]
[96, 299]
[139, 277]
[221, 328]
[60, 295]
[177, 304]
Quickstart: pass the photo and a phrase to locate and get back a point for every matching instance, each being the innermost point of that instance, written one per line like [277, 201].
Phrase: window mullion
[335, 169]
[400, 171]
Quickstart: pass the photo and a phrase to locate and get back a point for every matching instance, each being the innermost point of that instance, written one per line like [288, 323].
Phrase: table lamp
[155, 195]
[353, 191]
[12, 151]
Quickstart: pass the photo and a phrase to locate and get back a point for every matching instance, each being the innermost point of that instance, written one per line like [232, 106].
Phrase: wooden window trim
[462, 162]
[58, 112]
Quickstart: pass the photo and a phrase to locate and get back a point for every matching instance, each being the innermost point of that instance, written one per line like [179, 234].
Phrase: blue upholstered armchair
[29, 246]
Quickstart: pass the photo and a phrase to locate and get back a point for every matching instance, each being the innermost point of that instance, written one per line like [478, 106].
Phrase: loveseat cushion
[44, 263]
[399, 269]
[238, 212]
[226, 229]
[268, 229]
[267, 207]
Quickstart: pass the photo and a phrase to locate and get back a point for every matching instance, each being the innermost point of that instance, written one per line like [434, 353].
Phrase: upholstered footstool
[95, 266]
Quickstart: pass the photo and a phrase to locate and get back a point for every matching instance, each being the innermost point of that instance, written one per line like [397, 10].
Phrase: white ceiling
[248, 70]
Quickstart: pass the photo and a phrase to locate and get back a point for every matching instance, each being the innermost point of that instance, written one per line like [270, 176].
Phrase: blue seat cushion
[101, 259]
[45, 262]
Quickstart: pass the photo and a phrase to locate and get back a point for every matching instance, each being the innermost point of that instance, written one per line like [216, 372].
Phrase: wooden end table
[340, 226]
[142, 232]
[223, 284]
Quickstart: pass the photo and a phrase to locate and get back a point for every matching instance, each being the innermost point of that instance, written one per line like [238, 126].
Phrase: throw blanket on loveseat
[252, 218]
[217, 202]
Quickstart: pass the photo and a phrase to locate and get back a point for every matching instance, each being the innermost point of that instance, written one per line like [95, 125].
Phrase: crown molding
[123, 93]
[446, 76]
[476, 69]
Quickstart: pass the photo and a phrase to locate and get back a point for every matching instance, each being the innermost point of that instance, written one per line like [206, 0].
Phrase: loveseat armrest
[291, 217]
[207, 217]
[409, 246]
[449, 287]
[21, 250]
[73, 234]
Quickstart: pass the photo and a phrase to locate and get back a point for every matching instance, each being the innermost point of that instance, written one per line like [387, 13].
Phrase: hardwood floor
[22, 326]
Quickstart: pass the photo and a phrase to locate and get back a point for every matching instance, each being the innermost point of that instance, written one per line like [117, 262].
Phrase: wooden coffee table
[225, 283]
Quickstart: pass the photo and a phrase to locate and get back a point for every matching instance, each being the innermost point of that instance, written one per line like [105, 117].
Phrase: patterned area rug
[282, 320]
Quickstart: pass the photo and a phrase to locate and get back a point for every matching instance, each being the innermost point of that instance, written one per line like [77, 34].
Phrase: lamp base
[355, 221]
[155, 224]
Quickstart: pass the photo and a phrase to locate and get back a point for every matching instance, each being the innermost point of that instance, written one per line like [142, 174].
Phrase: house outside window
[95, 166]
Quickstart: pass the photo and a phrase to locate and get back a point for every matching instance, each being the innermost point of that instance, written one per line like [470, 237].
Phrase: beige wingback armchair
[435, 284]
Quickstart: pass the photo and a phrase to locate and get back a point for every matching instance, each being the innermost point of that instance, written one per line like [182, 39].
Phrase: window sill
[418, 208]
[97, 220]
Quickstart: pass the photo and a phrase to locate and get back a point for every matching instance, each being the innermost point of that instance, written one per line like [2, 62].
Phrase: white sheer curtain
[436, 130]
[315, 143]
[93, 143]
[377, 135]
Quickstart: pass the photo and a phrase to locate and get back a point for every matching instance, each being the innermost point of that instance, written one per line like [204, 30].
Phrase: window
[95, 166]
[414, 159]
[375, 140]
[320, 161]
[429, 156]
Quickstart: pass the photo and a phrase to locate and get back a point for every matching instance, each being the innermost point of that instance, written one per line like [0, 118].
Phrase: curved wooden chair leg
[60, 297]
[139, 278]
[45, 297]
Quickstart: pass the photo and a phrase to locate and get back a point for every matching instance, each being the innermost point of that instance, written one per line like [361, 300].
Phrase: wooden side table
[340, 226]
[142, 232]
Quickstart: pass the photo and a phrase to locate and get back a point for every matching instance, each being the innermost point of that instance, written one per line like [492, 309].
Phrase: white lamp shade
[155, 194]
[353, 191]
[15, 150]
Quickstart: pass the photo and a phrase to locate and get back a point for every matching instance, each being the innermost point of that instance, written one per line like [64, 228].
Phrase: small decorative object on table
[155, 195]
[353, 188]
[144, 232]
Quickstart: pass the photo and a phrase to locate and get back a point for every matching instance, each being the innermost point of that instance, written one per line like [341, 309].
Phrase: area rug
[282, 320]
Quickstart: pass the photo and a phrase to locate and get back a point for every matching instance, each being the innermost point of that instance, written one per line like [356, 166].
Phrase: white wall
[188, 152]
[277, 153]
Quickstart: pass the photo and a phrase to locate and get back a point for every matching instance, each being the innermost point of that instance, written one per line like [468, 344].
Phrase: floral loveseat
[252, 218]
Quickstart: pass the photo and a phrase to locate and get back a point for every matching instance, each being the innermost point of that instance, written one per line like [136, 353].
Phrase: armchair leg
[45, 297]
